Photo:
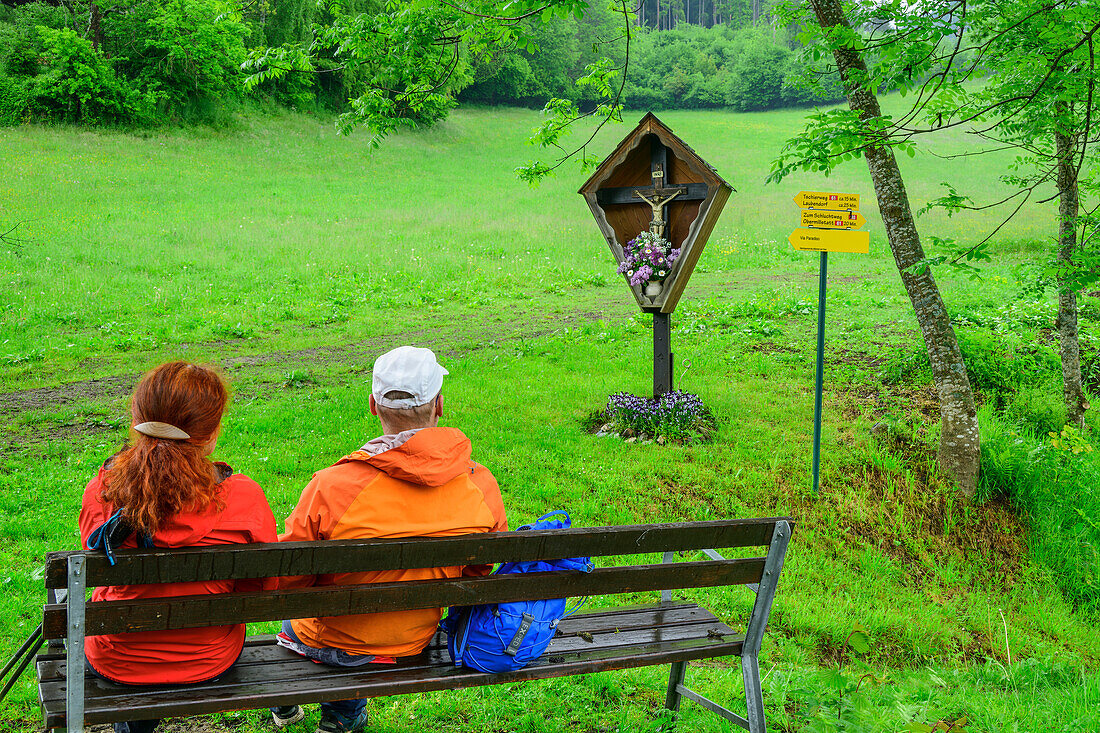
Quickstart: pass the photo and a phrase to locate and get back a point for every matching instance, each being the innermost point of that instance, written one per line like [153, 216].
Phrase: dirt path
[455, 337]
[450, 339]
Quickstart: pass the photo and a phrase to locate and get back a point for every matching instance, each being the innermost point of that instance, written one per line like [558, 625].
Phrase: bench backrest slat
[313, 558]
[158, 614]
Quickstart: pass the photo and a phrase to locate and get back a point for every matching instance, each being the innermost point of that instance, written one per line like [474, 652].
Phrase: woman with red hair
[163, 490]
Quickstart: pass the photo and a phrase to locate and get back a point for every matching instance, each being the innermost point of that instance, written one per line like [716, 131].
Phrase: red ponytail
[155, 478]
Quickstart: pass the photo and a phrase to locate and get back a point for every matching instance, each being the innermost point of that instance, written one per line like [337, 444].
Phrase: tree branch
[505, 19]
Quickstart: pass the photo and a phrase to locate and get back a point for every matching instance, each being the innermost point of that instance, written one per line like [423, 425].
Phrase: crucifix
[657, 224]
[658, 194]
[684, 195]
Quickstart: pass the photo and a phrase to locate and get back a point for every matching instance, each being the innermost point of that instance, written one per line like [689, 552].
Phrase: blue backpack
[504, 637]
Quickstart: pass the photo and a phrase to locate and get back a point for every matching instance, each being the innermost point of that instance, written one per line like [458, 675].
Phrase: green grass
[282, 230]
[293, 257]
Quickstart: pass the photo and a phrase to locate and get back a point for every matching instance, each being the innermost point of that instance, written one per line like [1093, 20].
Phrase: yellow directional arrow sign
[827, 200]
[831, 219]
[828, 240]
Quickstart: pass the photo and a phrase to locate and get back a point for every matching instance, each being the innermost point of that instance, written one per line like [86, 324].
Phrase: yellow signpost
[828, 224]
[830, 240]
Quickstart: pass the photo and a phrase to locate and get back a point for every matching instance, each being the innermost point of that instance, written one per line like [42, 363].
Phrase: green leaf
[836, 680]
[860, 642]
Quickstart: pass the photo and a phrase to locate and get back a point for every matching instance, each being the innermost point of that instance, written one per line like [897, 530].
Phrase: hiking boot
[333, 723]
[286, 715]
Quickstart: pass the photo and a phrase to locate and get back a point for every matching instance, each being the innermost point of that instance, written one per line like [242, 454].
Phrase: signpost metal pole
[829, 220]
[822, 276]
[662, 354]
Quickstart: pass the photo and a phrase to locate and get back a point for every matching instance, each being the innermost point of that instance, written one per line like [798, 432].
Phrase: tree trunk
[959, 452]
[95, 15]
[1068, 207]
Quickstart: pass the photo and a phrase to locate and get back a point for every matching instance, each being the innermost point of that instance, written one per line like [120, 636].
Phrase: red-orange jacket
[424, 487]
[185, 655]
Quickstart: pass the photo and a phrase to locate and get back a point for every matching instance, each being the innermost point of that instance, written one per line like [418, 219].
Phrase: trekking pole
[29, 649]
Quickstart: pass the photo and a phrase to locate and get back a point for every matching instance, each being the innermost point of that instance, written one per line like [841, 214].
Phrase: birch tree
[1039, 98]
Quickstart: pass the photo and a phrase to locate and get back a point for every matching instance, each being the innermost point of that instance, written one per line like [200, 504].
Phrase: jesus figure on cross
[657, 225]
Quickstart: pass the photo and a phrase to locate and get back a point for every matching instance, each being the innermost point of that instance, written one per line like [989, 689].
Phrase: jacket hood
[432, 457]
[186, 528]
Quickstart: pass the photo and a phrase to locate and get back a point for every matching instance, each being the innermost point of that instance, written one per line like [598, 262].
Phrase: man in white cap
[416, 479]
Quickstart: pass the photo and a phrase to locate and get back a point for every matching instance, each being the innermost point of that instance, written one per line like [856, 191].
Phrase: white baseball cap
[407, 369]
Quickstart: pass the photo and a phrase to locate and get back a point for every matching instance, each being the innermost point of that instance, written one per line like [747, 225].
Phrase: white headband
[161, 430]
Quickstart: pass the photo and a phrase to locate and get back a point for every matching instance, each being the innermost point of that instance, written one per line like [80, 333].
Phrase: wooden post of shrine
[653, 182]
[662, 353]
[662, 322]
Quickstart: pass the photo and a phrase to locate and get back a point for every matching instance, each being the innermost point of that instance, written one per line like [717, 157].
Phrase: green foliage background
[690, 67]
[180, 62]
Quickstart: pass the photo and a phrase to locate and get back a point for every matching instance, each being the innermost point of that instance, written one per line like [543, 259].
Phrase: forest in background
[140, 63]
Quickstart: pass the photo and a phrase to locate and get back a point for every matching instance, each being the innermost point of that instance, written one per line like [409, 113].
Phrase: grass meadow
[292, 257]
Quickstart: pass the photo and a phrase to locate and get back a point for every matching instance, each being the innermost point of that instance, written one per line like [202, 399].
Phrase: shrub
[13, 100]
[503, 80]
[756, 80]
[76, 84]
[20, 47]
[188, 52]
[1003, 362]
[687, 67]
[648, 98]
[907, 366]
[1090, 361]
[1000, 362]
[804, 86]
[1041, 408]
[297, 91]
[708, 90]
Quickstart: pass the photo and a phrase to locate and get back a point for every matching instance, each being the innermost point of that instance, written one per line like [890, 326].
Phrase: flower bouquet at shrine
[647, 261]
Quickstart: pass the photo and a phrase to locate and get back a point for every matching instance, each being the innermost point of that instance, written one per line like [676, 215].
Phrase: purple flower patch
[675, 416]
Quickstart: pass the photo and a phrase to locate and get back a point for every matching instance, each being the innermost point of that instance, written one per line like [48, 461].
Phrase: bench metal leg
[754, 636]
[758, 621]
[754, 696]
[74, 652]
[675, 681]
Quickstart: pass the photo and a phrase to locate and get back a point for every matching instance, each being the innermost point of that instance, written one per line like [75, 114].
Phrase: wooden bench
[668, 632]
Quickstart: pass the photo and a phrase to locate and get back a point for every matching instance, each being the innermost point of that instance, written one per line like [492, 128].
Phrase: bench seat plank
[268, 675]
[51, 665]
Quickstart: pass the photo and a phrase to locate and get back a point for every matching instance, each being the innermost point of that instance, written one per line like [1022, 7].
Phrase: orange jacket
[426, 486]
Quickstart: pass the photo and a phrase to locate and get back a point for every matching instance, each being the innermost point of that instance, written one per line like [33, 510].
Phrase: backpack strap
[524, 626]
[580, 564]
[110, 535]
